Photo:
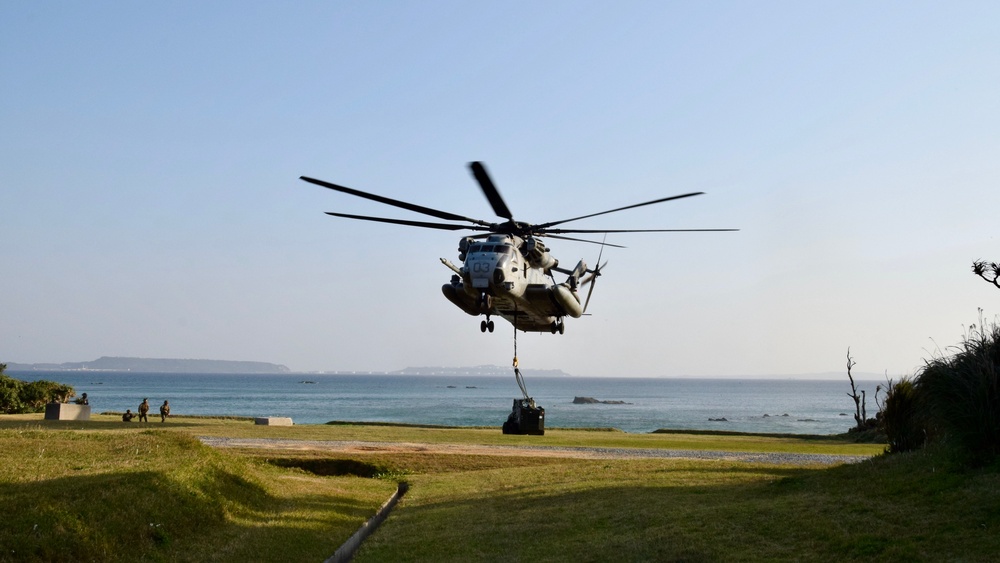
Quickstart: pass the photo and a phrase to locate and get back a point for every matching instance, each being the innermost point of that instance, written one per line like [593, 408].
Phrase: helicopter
[507, 270]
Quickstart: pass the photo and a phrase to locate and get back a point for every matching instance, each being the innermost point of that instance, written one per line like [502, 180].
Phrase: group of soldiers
[144, 409]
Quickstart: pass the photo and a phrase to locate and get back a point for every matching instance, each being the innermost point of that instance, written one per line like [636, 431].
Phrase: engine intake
[538, 255]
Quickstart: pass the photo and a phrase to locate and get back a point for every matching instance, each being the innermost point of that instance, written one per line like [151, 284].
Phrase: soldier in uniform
[164, 411]
[143, 409]
[128, 416]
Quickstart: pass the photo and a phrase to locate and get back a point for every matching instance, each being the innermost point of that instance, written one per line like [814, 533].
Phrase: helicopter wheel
[562, 327]
[490, 326]
[482, 326]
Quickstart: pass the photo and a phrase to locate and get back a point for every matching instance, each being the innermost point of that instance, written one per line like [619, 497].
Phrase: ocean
[786, 406]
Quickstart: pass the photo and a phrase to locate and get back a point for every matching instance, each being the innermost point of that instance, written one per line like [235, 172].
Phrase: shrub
[10, 395]
[36, 394]
[961, 394]
[18, 396]
[900, 417]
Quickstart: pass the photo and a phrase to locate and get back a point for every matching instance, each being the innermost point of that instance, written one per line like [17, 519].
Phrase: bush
[18, 396]
[900, 417]
[961, 394]
[36, 394]
[10, 394]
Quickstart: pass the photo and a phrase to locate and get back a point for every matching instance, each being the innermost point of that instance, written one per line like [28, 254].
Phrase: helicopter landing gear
[486, 325]
[558, 326]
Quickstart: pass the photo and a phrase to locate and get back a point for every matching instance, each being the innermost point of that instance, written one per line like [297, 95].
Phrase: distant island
[485, 370]
[156, 365]
[593, 401]
[170, 365]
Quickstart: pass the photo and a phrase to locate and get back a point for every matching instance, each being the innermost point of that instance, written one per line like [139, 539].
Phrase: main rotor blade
[499, 207]
[441, 226]
[583, 240]
[394, 202]
[661, 200]
[546, 232]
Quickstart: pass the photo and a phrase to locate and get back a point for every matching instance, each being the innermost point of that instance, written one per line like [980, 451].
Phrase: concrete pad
[67, 411]
[273, 421]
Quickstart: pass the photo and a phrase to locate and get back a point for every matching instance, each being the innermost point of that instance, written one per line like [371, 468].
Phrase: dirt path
[358, 447]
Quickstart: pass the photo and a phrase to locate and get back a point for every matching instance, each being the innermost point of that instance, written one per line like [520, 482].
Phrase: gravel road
[350, 446]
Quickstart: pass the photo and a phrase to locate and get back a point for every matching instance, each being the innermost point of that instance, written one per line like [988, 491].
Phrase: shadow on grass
[853, 512]
[837, 438]
[328, 466]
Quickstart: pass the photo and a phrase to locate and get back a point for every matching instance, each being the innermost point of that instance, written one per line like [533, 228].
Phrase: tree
[989, 271]
[860, 416]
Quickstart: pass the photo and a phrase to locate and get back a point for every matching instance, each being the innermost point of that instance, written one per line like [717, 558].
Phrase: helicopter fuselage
[510, 277]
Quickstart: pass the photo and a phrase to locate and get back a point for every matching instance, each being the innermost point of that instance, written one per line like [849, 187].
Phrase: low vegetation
[952, 403]
[900, 417]
[18, 396]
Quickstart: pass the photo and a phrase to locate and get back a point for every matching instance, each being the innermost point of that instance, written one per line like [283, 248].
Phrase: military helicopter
[507, 271]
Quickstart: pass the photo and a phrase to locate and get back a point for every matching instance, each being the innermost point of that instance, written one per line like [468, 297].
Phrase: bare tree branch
[858, 416]
[989, 271]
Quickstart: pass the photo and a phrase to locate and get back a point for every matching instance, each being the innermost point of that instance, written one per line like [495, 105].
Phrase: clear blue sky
[150, 155]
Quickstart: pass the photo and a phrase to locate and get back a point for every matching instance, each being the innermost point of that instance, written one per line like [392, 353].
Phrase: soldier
[164, 411]
[128, 416]
[143, 409]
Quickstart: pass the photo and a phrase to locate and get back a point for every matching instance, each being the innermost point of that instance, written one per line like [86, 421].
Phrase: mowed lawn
[249, 505]
[684, 510]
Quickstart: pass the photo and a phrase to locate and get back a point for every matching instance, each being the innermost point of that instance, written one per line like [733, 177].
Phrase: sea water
[786, 406]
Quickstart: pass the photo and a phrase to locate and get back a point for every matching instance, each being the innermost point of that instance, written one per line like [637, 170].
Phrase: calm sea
[747, 405]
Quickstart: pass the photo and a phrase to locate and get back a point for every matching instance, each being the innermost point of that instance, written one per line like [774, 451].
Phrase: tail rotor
[592, 278]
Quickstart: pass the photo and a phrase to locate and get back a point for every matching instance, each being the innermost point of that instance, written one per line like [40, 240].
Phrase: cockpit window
[501, 248]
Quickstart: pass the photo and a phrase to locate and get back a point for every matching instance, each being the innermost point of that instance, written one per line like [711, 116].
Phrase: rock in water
[593, 401]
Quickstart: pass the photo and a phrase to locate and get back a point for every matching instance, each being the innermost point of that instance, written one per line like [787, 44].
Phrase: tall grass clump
[960, 395]
[900, 417]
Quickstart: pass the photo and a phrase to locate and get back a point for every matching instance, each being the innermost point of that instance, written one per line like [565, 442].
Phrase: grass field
[103, 491]
[89, 492]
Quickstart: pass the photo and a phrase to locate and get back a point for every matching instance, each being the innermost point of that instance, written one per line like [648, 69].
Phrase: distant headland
[484, 370]
[170, 365]
[156, 365]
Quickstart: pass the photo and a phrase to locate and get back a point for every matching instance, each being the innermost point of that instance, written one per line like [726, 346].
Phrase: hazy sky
[150, 155]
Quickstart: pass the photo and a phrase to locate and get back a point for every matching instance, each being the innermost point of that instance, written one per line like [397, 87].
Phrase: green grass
[160, 495]
[892, 509]
[104, 490]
